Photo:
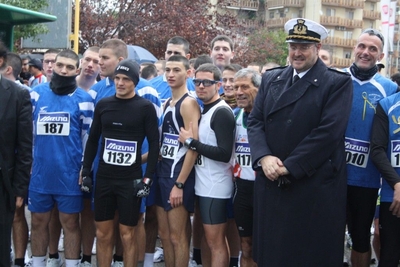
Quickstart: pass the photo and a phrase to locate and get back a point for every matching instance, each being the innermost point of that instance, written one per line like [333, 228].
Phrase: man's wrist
[147, 181]
[179, 185]
[188, 142]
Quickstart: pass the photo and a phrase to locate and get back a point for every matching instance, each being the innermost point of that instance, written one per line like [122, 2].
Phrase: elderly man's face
[302, 56]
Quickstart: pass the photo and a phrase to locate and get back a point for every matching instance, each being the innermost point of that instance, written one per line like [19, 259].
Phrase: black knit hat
[129, 68]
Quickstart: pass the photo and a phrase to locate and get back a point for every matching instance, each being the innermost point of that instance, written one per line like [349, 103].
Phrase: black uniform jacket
[15, 140]
[302, 124]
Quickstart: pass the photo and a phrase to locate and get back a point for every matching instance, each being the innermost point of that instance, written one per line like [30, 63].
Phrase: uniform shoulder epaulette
[341, 71]
[276, 68]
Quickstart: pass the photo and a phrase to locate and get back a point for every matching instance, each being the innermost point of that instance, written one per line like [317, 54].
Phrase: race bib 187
[53, 123]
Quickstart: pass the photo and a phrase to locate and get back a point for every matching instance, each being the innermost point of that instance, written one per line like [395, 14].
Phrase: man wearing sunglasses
[213, 167]
[363, 177]
[295, 132]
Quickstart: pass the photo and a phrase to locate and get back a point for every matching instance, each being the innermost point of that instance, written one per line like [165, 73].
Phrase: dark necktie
[295, 79]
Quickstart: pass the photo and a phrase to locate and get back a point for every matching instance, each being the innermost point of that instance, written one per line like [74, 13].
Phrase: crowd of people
[257, 166]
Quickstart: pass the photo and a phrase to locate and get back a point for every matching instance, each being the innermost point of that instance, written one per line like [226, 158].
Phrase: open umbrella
[140, 54]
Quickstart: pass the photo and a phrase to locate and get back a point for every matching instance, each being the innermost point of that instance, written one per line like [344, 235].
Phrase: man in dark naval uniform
[296, 134]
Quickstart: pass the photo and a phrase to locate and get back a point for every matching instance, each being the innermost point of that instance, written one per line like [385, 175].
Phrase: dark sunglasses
[205, 82]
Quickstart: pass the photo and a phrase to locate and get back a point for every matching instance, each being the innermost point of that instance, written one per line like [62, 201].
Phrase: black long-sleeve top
[127, 120]
[379, 145]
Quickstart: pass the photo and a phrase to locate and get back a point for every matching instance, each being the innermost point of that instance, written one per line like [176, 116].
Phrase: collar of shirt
[301, 74]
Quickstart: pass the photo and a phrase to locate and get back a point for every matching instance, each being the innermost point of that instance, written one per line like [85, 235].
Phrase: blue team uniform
[391, 106]
[61, 123]
[366, 94]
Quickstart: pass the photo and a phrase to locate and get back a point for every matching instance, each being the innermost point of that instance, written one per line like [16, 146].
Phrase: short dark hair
[209, 67]
[376, 33]
[178, 40]
[233, 67]
[202, 59]
[68, 53]
[15, 62]
[255, 64]
[95, 49]
[222, 38]
[179, 58]
[148, 71]
[118, 46]
[52, 51]
[396, 78]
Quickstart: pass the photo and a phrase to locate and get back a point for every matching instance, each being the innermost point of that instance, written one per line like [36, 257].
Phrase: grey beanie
[129, 68]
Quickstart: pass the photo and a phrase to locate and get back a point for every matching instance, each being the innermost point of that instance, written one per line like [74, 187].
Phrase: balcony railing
[342, 62]
[374, 15]
[276, 23]
[249, 23]
[340, 42]
[243, 4]
[341, 22]
[344, 3]
[284, 3]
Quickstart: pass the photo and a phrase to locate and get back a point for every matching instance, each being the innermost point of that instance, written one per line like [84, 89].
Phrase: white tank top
[213, 178]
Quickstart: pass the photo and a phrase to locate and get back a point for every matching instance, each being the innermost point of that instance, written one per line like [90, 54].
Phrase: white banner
[385, 15]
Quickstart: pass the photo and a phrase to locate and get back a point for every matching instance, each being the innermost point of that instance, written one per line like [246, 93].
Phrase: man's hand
[395, 207]
[183, 134]
[273, 167]
[176, 197]
[19, 201]
[142, 189]
[87, 184]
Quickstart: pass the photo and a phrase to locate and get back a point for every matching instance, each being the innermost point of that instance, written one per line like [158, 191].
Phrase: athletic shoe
[192, 263]
[94, 246]
[158, 255]
[61, 243]
[30, 263]
[54, 262]
[85, 264]
[118, 264]
[11, 254]
[349, 242]
[345, 261]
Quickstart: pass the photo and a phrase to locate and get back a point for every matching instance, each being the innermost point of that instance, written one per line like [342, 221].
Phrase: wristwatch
[188, 142]
[179, 185]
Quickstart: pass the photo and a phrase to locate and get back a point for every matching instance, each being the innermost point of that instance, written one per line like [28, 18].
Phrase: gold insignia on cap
[300, 28]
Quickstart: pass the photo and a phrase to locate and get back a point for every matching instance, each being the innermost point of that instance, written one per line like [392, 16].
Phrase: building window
[300, 15]
[349, 14]
[347, 54]
[331, 32]
[348, 35]
[330, 12]
[271, 15]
